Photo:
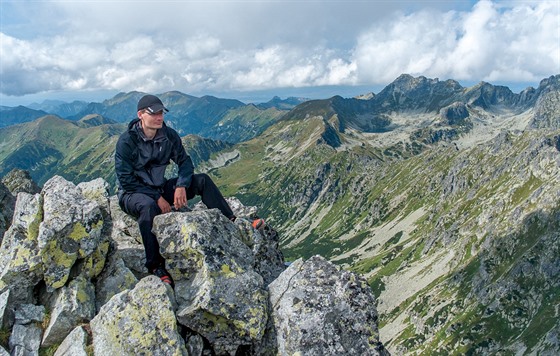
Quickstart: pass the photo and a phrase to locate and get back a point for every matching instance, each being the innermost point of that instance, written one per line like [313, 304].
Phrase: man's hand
[163, 205]
[180, 199]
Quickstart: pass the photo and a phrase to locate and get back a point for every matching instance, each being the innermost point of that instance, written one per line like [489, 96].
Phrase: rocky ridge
[72, 282]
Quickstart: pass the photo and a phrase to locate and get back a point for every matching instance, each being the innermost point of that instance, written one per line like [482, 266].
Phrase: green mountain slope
[53, 146]
[457, 234]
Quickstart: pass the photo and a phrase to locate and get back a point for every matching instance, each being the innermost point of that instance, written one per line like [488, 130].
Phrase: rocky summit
[72, 282]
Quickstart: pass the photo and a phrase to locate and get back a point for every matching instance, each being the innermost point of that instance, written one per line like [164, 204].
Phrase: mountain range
[208, 116]
[444, 197]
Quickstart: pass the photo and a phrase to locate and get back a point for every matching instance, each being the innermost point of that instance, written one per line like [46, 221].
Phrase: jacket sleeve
[124, 169]
[183, 161]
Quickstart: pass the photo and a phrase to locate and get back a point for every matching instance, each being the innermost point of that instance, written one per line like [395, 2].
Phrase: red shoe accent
[257, 223]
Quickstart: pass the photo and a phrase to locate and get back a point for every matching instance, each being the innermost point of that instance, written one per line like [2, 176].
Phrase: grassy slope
[52, 146]
[339, 203]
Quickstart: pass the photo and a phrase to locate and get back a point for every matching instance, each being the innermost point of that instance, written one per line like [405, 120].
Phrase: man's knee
[143, 207]
[148, 209]
[201, 178]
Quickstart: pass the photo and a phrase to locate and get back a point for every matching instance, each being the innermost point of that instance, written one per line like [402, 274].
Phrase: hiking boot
[165, 277]
[258, 223]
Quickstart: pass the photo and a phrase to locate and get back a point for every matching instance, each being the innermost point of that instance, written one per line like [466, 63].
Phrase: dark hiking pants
[144, 208]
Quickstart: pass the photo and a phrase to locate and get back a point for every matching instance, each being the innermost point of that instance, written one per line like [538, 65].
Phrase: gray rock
[29, 313]
[4, 310]
[138, 321]
[75, 344]
[96, 190]
[268, 259]
[21, 266]
[195, 345]
[3, 352]
[220, 296]
[318, 309]
[115, 278]
[239, 209]
[74, 304]
[127, 240]
[71, 230]
[25, 340]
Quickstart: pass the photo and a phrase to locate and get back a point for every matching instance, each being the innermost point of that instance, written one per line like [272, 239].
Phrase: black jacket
[140, 163]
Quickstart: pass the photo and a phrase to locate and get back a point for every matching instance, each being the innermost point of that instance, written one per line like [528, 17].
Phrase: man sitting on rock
[142, 154]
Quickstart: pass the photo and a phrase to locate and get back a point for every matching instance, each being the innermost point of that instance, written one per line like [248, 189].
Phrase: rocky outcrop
[72, 280]
[19, 180]
[339, 301]
[7, 204]
[138, 321]
[454, 114]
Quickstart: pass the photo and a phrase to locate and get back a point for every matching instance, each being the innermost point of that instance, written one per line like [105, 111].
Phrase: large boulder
[140, 321]
[75, 344]
[4, 311]
[115, 278]
[21, 264]
[51, 252]
[318, 309]
[26, 333]
[70, 231]
[220, 296]
[74, 305]
[126, 239]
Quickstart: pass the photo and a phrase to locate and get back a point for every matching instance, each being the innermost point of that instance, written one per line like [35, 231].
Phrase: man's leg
[145, 209]
[203, 185]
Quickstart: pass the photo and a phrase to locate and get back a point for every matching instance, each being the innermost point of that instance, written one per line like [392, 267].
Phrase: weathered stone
[71, 229]
[320, 310]
[115, 278]
[74, 304]
[96, 190]
[4, 310]
[19, 180]
[220, 296]
[25, 340]
[239, 209]
[138, 321]
[127, 239]
[195, 345]
[269, 261]
[3, 352]
[29, 313]
[75, 344]
[21, 266]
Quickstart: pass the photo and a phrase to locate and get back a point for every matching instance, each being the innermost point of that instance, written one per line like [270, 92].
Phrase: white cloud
[489, 43]
[197, 46]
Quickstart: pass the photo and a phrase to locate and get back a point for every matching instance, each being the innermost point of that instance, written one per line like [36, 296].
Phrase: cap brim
[156, 108]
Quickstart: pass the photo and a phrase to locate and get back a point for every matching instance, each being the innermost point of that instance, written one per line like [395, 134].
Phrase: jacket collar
[134, 127]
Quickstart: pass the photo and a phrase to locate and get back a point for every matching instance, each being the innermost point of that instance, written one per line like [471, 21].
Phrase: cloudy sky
[251, 50]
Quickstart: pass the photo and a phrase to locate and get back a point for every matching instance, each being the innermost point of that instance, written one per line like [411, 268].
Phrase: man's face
[150, 120]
